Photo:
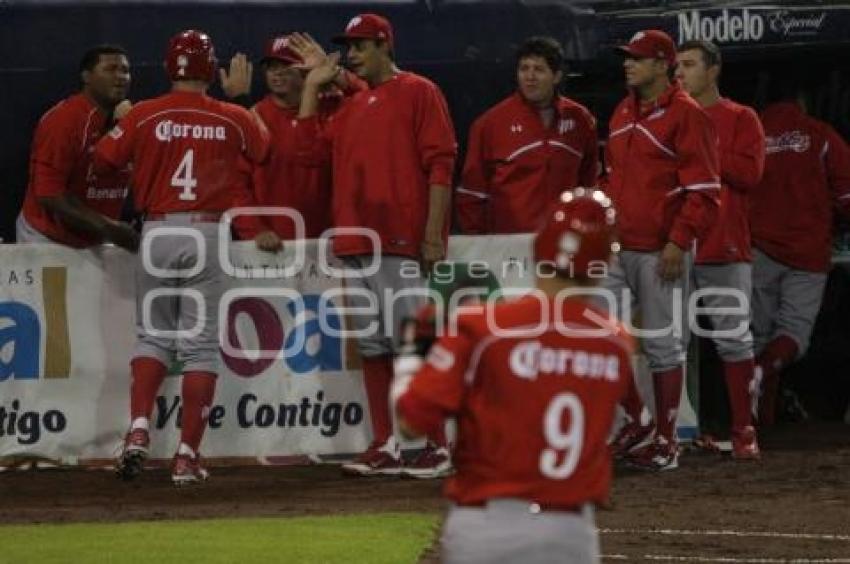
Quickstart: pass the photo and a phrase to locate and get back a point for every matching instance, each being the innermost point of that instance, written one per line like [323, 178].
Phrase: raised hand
[308, 49]
[237, 81]
[325, 72]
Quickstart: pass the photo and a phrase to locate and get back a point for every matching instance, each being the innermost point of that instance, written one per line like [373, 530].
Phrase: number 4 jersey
[185, 148]
[534, 387]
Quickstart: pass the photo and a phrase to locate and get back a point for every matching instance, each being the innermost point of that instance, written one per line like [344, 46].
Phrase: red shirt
[185, 148]
[741, 168]
[387, 145]
[662, 171]
[516, 167]
[806, 172]
[60, 163]
[517, 396]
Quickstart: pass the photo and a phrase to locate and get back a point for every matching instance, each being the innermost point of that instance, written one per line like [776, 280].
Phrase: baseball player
[65, 201]
[806, 175]
[184, 147]
[723, 257]
[392, 149]
[527, 149]
[534, 384]
[283, 181]
[663, 177]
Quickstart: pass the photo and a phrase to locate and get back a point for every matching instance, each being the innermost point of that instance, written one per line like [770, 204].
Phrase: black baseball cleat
[133, 454]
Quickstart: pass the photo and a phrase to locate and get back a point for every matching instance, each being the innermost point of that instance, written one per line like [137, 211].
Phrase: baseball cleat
[133, 454]
[186, 470]
[631, 437]
[433, 462]
[659, 455]
[380, 459]
[744, 444]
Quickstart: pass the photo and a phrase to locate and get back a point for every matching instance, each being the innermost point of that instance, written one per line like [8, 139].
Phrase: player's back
[540, 404]
[185, 148]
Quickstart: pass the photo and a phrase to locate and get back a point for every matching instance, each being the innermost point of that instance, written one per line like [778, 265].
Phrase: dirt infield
[793, 505]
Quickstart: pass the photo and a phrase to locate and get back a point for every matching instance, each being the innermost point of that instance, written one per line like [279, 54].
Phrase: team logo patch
[637, 37]
[566, 125]
[441, 358]
[182, 63]
[355, 21]
[795, 141]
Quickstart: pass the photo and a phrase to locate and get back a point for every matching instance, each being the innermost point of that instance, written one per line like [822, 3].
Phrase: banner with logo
[290, 384]
[735, 26]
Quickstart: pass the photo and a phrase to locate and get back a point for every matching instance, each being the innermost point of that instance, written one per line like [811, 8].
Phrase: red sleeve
[313, 143]
[436, 392]
[246, 194]
[115, 149]
[435, 136]
[55, 151]
[696, 146]
[837, 163]
[474, 192]
[256, 148]
[743, 165]
[588, 174]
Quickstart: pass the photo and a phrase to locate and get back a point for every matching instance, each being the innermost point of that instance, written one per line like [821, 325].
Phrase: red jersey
[741, 167]
[516, 167]
[387, 145]
[534, 407]
[60, 163]
[663, 171]
[185, 149]
[806, 172]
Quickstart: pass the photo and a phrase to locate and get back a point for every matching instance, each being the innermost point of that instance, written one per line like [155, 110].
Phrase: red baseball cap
[367, 26]
[651, 44]
[277, 49]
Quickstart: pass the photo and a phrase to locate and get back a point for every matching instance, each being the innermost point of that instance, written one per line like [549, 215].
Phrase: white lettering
[167, 130]
[530, 359]
[724, 28]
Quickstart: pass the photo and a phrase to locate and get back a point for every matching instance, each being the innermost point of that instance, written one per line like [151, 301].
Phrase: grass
[394, 538]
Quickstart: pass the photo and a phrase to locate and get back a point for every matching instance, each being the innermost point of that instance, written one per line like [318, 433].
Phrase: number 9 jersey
[185, 147]
[534, 384]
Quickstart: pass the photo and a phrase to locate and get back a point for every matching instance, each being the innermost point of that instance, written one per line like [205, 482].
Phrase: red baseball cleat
[433, 462]
[744, 444]
[186, 470]
[380, 459]
[133, 454]
[659, 455]
[630, 437]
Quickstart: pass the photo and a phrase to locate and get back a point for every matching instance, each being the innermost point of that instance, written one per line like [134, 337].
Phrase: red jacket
[662, 171]
[185, 148]
[741, 168]
[387, 145]
[806, 172]
[284, 181]
[534, 406]
[516, 167]
[60, 163]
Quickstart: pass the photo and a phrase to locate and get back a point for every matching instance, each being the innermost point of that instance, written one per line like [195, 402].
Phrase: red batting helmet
[191, 56]
[578, 232]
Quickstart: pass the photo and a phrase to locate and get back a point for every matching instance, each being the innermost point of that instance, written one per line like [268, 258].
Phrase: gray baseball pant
[26, 233]
[633, 280]
[727, 289]
[192, 304]
[398, 291]
[785, 301]
[508, 531]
